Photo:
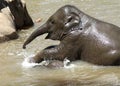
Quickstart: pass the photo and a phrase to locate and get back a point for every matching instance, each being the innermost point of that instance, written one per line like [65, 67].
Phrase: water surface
[12, 73]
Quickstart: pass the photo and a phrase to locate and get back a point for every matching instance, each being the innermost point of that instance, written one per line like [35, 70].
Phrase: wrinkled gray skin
[81, 37]
[14, 16]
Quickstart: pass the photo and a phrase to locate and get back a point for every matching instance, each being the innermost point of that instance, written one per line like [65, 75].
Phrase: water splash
[26, 63]
[67, 64]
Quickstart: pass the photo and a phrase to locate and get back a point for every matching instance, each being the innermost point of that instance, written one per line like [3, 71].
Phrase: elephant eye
[52, 22]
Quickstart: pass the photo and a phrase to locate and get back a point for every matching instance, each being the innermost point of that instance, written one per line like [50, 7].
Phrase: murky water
[12, 73]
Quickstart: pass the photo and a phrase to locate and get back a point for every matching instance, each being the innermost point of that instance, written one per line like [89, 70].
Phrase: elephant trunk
[41, 30]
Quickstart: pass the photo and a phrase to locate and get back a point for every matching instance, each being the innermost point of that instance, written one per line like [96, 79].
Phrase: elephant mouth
[63, 36]
[59, 37]
[48, 35]
[52, 37]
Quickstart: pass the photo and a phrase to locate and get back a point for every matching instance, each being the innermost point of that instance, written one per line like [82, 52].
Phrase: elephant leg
[57, 52]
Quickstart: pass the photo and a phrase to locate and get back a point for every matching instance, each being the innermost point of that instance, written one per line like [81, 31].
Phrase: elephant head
[59, 25]
[19, 13]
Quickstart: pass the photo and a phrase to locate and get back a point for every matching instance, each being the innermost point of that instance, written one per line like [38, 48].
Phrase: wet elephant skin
[81, 37]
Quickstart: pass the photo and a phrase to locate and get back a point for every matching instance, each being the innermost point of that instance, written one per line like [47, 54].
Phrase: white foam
[27, 64]
[70, 66]
[66, 62]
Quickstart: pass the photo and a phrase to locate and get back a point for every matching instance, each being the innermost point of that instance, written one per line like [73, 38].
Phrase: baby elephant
[81, 37]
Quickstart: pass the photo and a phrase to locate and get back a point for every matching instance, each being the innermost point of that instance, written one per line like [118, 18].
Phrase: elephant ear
[72, 20]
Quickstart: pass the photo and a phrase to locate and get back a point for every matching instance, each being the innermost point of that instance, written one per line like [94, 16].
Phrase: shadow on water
[12, 55]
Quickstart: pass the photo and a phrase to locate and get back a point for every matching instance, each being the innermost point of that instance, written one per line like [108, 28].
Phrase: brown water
[12, 73]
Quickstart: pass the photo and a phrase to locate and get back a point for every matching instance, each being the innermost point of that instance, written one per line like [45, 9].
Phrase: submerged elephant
[81, 37]
[13, 16]
[57, 63]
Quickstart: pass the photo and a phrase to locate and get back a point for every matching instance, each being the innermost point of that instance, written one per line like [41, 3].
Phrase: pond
[12, 73]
